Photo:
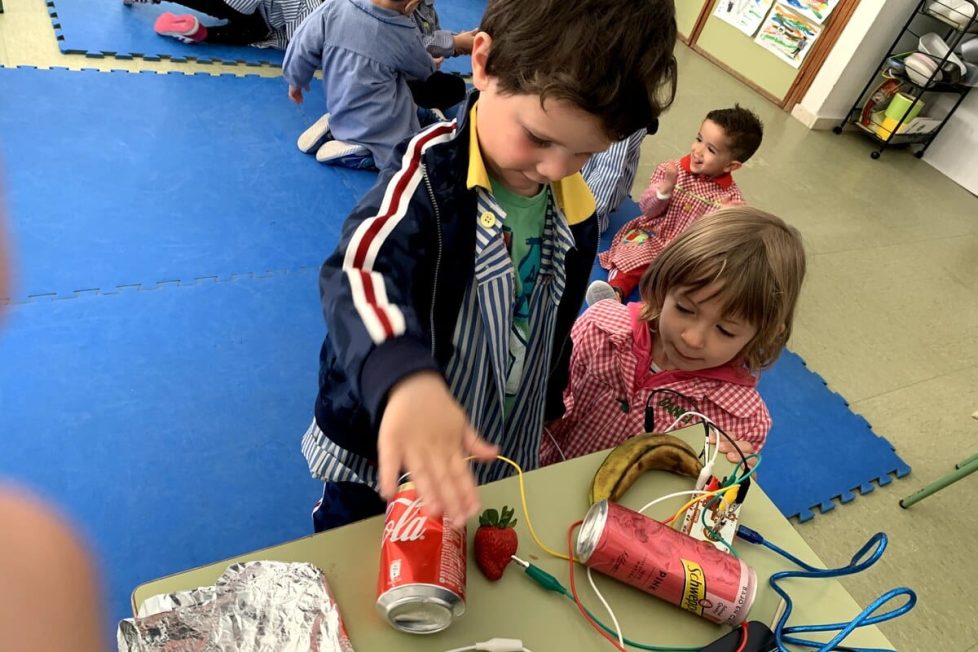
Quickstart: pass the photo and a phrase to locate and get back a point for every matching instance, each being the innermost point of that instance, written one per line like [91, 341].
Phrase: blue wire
[857, 564]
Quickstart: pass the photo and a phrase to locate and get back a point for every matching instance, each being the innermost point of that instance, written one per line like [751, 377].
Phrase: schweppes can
[654, 558]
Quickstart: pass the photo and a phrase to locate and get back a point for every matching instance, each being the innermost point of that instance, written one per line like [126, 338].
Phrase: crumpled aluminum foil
[259, 606]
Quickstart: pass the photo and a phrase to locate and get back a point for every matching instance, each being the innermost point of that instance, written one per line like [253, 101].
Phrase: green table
[515, 607]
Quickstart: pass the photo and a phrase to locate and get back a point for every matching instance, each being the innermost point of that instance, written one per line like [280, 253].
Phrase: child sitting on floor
[261, 23]
[441, 90]
[716, 308]
[679, 193]
[433, 95]
[368, 50]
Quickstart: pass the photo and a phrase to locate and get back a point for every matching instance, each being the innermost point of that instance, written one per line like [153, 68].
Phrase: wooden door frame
[810, 66]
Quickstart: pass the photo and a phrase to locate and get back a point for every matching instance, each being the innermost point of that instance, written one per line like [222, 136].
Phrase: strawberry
[495, 542]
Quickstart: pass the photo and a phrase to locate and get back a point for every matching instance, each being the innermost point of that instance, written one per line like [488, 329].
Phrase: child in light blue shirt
[368, 50]
[441, 90]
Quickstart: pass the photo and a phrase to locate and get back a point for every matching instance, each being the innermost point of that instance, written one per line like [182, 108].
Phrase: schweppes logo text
[694, 592]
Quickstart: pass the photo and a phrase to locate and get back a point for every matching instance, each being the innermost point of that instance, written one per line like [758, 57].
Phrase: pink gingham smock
[610, 381]
[641, 240]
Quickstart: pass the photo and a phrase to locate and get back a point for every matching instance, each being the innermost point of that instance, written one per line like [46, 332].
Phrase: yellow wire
[560, 555]
[526, 512]
[701, 497]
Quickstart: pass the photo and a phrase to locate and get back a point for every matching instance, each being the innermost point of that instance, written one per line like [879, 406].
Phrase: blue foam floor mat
[818, 453]
[123, 179]
[166, 422]
[157, 383]
[107, 27]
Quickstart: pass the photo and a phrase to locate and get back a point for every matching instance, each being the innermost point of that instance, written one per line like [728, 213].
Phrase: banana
[639, 454]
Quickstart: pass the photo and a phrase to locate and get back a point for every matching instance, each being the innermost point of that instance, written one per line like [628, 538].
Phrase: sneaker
[314, 137]
[599, 291]
[185, 27]
[349, 155]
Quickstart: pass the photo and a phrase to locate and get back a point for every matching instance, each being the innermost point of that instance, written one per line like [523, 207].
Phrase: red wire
[573, 587]
[743, 637]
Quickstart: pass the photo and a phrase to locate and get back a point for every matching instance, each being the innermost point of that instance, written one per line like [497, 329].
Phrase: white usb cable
[495, 645]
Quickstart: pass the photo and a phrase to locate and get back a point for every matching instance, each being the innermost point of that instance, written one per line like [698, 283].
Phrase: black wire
[650, 413]
[650, 420]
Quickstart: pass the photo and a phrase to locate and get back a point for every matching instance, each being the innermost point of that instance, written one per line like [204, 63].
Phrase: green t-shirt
[523, 232]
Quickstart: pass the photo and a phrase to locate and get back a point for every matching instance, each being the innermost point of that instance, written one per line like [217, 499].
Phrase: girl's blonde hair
[757, 260]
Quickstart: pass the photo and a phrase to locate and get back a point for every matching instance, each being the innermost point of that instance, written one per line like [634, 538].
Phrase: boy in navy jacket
[451, 294]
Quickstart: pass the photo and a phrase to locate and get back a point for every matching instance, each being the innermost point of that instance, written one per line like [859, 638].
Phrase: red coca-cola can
[421, 586]
[654, 558]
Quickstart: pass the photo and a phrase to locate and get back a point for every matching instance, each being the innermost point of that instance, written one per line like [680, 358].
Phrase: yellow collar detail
[571, 193]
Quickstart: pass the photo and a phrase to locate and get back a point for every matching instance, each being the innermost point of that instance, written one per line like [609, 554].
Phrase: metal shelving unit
[925, 18]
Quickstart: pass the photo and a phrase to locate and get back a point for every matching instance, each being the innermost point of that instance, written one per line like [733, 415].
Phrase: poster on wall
[816, 10]
[789, 36]
[745, 15]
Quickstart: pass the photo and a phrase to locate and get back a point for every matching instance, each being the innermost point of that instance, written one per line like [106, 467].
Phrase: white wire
[691, 492]
[553, 440]
[706, 443]
[607, 607]
[469, 648]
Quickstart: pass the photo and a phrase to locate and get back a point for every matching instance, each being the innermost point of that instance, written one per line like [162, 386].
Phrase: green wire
[750, 471]
[553, 584]
[550, 583]
[641, 646]
[712, 532]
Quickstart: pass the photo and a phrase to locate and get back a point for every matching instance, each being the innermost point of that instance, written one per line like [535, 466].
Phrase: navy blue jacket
[381, 332]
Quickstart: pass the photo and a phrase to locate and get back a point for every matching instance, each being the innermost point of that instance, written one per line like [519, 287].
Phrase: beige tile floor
[889, 318]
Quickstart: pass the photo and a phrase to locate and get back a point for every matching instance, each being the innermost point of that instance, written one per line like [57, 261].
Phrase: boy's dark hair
[743, 128]
[611, 58]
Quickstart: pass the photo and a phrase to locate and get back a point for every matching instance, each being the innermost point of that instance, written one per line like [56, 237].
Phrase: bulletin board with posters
[775, 46]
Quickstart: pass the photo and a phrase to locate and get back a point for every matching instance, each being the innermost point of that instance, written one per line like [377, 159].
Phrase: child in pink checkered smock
[679, 193]
[716, 308]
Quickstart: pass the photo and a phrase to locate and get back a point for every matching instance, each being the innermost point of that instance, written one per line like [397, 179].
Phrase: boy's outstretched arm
[375, 289]
[425, 432]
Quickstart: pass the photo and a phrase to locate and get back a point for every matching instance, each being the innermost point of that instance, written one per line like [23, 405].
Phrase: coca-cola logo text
[410, 525]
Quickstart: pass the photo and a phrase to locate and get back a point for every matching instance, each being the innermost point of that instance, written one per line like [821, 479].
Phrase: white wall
[866, 38]
[857, 52]
[955, 150]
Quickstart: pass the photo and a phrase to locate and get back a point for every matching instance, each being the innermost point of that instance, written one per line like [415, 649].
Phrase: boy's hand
[727, 448]
[463, 41]
[295, 93]
[425, 432]
[670, 174]
[438, 61]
